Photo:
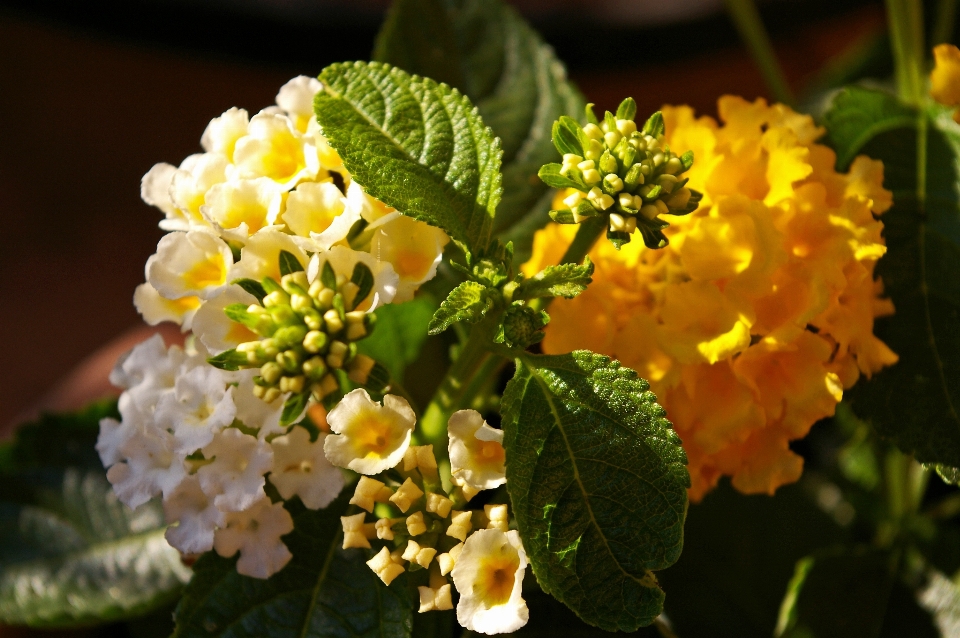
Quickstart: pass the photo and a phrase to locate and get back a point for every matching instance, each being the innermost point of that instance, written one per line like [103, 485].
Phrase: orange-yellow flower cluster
[945, 77]
[760, 312]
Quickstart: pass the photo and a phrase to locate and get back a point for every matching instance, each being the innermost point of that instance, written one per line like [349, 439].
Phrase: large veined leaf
[79, 556]
[416, 145]
[489, 52]
[324, 591]
[916, 402]
[598, 482]
[70, 553]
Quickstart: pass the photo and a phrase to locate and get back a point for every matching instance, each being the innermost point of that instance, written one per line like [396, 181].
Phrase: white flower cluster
[199, 438]
[207, 440]
[421, 525]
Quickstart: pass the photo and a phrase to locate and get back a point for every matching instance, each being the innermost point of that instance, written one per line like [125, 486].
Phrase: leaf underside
[598, 483]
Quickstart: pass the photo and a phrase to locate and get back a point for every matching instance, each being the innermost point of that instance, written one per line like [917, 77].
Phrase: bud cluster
[614, 169]
[309, 331]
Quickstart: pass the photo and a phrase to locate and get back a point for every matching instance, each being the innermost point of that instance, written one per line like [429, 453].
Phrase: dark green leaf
[510, 73]
[327, 276]
[840, 592]
[598, 482]
[915, 402]
[228, 360]
[400, 333]
[363, 278]
[550, 174]
[324, 592]
[468, 302]
[252, 286]
[565, 280]
[416, 145]
[79, 556]
[566, 138]
[654, 125]
[627, 109]
[289, 263]
[293, 407]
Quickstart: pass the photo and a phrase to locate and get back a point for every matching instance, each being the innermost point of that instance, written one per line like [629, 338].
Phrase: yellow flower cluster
[759, 313]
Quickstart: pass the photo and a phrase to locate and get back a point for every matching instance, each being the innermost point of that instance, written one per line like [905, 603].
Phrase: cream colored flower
[296, 99]
[200, 406]
[255, 533]
[154, 308]
[274, 149]
[195, 515]
[260, 255]
[476, 451]
[188, 187]
[301, 469]
[413, 248]
[369, 437]
[192, 263]
[369, 208]
[242, 207]
[236, 473]
[155, 191]
[151, 465]
[215, 329]
[222, 132]
[317, 210]
[488, 574]
[386, 566]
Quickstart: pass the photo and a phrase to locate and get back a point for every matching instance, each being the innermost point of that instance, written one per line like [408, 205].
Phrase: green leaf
[327, 276]
[468, 302]
[550, 174]
[238, 312]
[400, 334]
[598, 482]
[840, 592]
[289, 263]
[510, 73]
[324, 592]
[416, 145]
[916, 401]
[627, 109]
[565, 280]
[78, 556]
[228, 360]
[363, 278]
[252, 286]
[654, 125]
[566, 138]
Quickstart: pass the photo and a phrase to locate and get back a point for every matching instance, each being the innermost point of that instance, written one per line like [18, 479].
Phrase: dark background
[92, 94]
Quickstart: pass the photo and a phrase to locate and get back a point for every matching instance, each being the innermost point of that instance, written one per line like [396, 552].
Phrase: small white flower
[155, 309]
[274, 149]
[188, 188]
[151, 465]
[149, 362]
[192, 263]
[236, 473]
[222, 132]
[255, 533]
[196, 516]
[488, 574]
[200, 406]
[243, 206]
[301, 469]
[316, 210]
[260, 256]
[296, 99]
[215, 329]
[413, 248]
[370, 438]
[476, 451]
[256, 413]
[343, 260]
[155, 191]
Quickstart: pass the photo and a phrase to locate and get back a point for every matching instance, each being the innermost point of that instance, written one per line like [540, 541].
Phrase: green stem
[587, 235]
[946, 17]
[481, 383]
[472, 355]
[747, 20]
[906, 33]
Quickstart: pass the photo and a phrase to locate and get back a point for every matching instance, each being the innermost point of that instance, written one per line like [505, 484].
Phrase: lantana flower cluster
[759, 313]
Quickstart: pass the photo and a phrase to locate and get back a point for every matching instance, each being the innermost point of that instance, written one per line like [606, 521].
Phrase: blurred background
[93, 93]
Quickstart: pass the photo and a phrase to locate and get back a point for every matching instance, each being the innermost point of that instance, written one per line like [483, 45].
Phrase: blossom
[260, 255]
[151, 465]
[216, 331]
[243, 206]
[275, 150]
[759, 313]
[256, 533]
[488, 574]
[222, 132]
[296, 100]
[193, 517]
[318, 210]
[476, 451]
[192, 263]
[301, 469]
[369, 437]
[235, 473]
[413, 248]
[200, 405]
[156, 308]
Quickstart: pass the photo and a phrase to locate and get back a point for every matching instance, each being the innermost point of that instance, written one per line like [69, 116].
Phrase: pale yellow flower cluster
[759, 313]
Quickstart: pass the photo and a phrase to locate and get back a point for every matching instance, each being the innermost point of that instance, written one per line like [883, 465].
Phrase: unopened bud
[315, 341]
[332, 319]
